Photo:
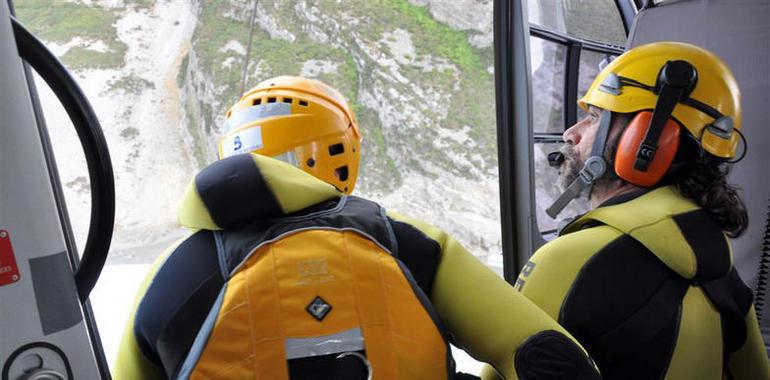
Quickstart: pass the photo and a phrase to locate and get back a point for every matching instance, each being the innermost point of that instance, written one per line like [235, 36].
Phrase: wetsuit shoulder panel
[610, 292]
[697, 349]
[248, 187]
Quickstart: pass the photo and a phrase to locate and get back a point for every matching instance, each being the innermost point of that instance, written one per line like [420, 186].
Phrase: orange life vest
[322, 284]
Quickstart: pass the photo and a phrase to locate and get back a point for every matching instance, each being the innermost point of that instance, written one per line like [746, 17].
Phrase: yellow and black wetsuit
[249, 207]
[646, 284]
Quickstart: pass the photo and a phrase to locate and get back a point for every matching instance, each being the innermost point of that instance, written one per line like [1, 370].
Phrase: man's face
[578, 141]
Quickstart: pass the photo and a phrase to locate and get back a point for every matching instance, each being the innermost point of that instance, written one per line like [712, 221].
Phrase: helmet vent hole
[310, 162]
[303, 103]
[336, 149]
[256, 102]
[342, 173]
[271, 100]
[287, 100]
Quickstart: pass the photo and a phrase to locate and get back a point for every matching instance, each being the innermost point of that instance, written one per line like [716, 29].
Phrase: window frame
[516, 138]
[575, 47]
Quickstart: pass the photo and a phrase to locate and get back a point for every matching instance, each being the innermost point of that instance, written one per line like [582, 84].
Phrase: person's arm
[131, 363]
[493, 322]
[750, 361]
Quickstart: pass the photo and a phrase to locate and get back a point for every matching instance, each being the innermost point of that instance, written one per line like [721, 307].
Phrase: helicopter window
[548, 76]
[567, 48]
[590, 64]
[547, 185]
[71, 163]
[596, 20]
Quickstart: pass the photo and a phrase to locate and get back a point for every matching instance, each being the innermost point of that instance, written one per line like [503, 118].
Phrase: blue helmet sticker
[244, 141]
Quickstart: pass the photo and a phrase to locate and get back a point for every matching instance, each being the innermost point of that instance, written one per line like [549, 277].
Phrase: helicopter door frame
[37, 217]
[512, 100]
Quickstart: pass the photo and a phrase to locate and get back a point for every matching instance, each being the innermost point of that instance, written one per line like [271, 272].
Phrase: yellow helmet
[630, 82]
[301, 121]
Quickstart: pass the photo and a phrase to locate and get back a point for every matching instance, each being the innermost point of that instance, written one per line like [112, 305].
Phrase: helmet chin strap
[594, 168]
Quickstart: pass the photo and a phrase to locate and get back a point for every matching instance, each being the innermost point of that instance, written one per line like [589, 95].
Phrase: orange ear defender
[630, 143]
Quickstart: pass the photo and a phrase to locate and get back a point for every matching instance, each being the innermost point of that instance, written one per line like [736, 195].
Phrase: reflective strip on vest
[346, 341]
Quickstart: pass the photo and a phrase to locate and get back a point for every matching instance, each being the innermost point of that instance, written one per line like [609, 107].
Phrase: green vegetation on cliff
[351, 29]
[60, 22]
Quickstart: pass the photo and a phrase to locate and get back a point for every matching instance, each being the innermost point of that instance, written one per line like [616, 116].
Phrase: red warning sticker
[9, 272]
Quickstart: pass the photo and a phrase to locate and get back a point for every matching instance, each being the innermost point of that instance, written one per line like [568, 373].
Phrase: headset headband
[676, 80]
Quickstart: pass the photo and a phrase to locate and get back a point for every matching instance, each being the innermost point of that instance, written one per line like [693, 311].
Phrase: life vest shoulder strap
[349, 213]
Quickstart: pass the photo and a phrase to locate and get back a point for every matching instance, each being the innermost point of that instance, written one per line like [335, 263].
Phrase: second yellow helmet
[301, 121]
[716, 87]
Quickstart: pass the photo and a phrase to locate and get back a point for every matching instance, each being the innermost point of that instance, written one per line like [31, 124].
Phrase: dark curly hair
[705, 182]
[702, 178]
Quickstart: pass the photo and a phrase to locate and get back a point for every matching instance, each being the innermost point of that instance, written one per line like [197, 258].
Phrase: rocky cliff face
[162, 74]
[419, 76]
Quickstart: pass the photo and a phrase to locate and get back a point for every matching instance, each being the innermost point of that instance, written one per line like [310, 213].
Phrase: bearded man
[645, 279]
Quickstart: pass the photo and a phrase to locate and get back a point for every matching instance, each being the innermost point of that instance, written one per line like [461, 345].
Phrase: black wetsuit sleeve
[178, 301]
[418, 252]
